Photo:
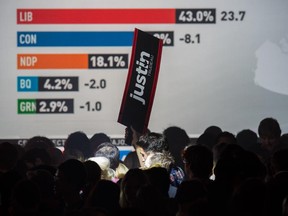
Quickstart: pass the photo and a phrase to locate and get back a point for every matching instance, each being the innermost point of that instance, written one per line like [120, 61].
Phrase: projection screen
[63, 64]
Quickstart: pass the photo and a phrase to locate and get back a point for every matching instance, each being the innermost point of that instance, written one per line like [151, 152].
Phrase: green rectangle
[27, 106]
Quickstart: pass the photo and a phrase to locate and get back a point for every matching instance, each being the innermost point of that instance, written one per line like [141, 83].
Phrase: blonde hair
[121, 170]
[159, 159]
[104, 163]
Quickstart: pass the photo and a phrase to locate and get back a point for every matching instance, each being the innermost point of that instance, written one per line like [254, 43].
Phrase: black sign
[141, 81]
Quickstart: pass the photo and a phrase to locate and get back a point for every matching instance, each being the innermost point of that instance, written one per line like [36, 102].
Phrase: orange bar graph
[52, 61]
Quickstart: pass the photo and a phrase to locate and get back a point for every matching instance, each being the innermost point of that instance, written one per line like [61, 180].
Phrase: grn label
[27, 106]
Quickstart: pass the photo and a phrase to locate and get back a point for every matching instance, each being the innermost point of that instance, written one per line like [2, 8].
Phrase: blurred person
[70, 179]
[35, 157]
[206, 139]
[151, 143]
[26, 199]
[151, 201]
[233, 167]
[177, 140]
[269, 132]
[105, 196]
[73, 154]
[93, 172]
[155, 197]
[49, 203]
[132, 158]
[159, 159]
[226, 137]
[284, 141]
[96, 140]
[277, 187]
[248, 140]
[104, 164]
[213, 130]
[57, 157]
[112, 153]
[249, 198]
[9, 175]
[154, 151]
[209, 136]
[223, 139]
[192, 199]
[160, 178]
[77, 144]
[130, 185]
[198, 162]
[39, 142]
[42, 142]
[8, 157]
[166, 160]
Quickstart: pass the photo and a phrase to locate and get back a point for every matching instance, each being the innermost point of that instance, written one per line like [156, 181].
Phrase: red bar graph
[96, 16]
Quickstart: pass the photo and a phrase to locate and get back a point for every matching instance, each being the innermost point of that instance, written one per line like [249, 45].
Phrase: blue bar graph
[64, 39]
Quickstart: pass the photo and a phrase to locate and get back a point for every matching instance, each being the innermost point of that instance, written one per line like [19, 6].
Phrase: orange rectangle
[52, 61]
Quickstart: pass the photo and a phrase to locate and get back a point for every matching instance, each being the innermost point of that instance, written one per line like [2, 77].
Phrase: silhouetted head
[151, 142]
[213, 130]
[198, 161]
[154, 142]
[206, 139]
[133, 180]
[177, 140]
[36, 156]
[93, 171]
[226, 137]
[39, 142]
[98, 139]
[269, 132]
[159, 177]
[105, 195]
[247, 139]
[71, 174]
[111, 152]
[78, 141]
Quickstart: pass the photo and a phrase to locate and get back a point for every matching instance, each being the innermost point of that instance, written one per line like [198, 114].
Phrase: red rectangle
[96, 16]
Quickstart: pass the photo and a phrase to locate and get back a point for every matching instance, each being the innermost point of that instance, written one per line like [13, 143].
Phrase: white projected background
[231, 73]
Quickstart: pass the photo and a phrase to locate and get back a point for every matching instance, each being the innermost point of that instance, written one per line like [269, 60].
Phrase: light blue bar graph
[27, 84]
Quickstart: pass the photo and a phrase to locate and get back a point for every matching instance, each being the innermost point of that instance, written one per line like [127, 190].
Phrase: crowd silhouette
[221, 173]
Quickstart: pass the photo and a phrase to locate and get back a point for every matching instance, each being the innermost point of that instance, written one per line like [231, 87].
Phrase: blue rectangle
[27, 84]
[123, 154]
[40, 39]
